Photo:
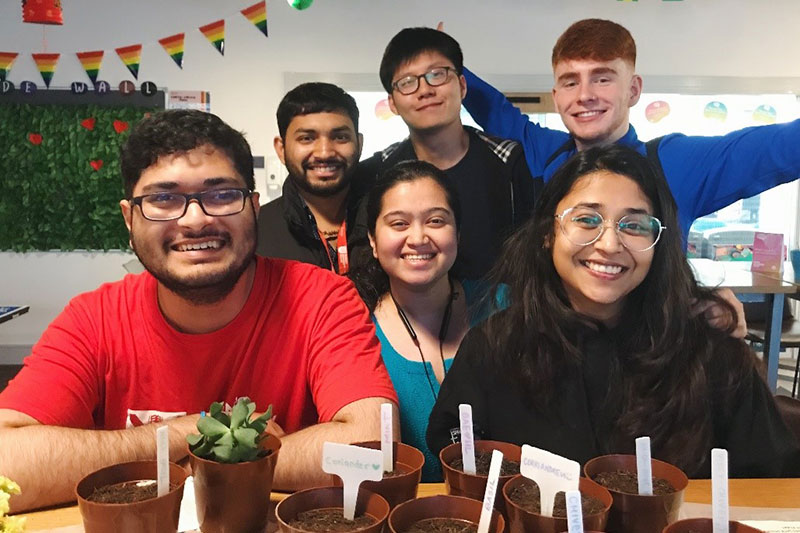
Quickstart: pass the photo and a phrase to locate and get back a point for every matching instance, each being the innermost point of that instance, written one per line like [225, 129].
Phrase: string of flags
[131, 55]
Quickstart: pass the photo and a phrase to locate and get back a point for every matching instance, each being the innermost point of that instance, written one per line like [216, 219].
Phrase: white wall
[508, 41]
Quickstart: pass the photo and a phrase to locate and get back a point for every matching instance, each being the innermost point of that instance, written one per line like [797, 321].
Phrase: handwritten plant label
[491, 491]
[644, 470]
[353, 464]
[719, 490]
[162, 460]
[574, 511]
[551, 472]
[387, 438]
[467, 438]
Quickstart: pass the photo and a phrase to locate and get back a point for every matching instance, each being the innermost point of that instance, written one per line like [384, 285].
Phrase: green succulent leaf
[239, 414]
[215, 409]
[224, 454]
[211, 427]
[193, 439]
[246, 437]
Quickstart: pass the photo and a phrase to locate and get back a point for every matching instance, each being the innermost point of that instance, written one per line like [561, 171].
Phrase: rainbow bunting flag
[174, 47]
[257, 14]
[46, 63]
[91, 63]
[6, 60]
[215, 33]
[131, 55]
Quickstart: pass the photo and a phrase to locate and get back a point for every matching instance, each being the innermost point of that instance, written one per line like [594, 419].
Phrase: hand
[713, 315]
[440, 26]
[274, 429]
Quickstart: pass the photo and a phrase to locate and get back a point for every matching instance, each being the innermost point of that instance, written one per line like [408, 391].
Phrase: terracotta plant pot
[705, 525]
[473, 486]
[234, 497]
[632, 513]
[458, 507]
[158, 515]
[523, 521]
[397, 489]
[322, 497]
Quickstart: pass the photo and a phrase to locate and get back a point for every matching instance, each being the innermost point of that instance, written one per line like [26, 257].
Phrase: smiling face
[429, 108]
[320, 151]
[594, 98]
[415, 239]
[197, 256]
[597, 277]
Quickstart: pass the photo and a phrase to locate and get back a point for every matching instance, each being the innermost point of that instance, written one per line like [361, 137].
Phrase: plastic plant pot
[705, 525]
[325, 497]
[456, 507]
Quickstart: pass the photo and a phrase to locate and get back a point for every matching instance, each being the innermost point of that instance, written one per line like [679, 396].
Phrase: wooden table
[774, 493]
[737, 277]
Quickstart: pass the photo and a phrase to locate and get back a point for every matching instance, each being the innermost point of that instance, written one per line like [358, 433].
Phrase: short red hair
[597, 39]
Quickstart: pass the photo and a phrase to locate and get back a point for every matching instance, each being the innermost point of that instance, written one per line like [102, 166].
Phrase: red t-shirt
[303, 342]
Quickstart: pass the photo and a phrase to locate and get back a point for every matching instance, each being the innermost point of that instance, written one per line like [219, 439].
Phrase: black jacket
[287, 229]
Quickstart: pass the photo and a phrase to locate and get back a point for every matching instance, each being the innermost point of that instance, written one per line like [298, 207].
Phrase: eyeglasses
[163, 206]
[638, 232]
[434, 77]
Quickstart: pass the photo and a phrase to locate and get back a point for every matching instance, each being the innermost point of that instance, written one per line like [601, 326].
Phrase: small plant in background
[233, 438]
[9, 524]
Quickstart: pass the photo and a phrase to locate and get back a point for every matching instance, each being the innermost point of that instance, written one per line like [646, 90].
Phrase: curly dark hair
[664, 352]
[178, 131]
[411, 42]
[369, 278]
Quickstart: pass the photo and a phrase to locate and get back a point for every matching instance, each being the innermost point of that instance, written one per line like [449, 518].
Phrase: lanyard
[341, 249]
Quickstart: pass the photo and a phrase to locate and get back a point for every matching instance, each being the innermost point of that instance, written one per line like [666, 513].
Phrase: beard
[324, 189]
[205, 286]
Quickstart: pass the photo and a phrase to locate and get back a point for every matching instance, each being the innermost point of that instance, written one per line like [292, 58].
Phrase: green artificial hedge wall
[60, 184]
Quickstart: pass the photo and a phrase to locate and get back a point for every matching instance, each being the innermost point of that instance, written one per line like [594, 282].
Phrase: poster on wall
[200, 100]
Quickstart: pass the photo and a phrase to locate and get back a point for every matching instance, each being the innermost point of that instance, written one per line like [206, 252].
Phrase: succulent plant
[230, 438]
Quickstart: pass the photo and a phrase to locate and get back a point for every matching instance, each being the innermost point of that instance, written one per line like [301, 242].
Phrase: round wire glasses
[638, 232]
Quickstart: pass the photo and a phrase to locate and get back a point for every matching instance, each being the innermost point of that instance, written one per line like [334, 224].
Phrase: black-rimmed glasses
[163, 206]
[637, 232]
[434, 77]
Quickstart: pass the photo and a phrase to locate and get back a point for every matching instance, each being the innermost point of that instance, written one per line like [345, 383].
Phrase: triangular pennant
[174, 47]
[130, 55]
[91, 63]
[46, 63]
[257, 14]
[6, 61]
[215, 33]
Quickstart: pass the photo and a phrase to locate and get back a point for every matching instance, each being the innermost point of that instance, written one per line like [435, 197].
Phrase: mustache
[337, 161]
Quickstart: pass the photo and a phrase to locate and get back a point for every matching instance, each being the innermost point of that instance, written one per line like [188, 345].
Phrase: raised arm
[47, 461]
[300, 459]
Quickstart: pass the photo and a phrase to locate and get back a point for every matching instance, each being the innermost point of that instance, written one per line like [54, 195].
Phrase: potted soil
[401, 483]
[459, 483]
[523, 507]
[439, 514]
[122, 498]
[320, 509]
[233, 461]
[632, 512]
[705, 525]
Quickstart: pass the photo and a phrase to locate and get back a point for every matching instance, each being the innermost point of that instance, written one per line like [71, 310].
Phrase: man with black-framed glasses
[208, 321]
[421, 71]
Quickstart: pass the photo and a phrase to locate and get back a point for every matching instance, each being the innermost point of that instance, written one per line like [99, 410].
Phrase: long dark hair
[663, 351]
[370, 279]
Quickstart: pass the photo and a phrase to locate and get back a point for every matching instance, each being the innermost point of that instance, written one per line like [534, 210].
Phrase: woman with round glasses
[598, 345]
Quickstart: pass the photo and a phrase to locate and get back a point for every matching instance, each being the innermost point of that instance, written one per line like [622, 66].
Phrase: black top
[580, 424]
[495, 189]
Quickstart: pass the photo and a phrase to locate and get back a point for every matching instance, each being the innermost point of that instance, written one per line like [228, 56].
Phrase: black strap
[651, 149]
[566, 147]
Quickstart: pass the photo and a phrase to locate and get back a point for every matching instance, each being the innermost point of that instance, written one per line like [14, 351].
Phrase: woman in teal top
[420, 311]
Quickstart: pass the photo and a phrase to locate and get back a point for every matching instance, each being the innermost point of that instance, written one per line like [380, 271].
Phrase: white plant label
[353, 464]
[719, 490]
[467, 438]
[574, 511]
[551, 472]
[387, 440]
[644, 469]
[162, 460]
[491, 492]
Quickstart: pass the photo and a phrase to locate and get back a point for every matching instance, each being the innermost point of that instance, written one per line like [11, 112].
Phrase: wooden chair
[790, 338]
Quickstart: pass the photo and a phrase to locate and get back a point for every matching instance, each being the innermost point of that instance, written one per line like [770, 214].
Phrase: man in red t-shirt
[208, 321]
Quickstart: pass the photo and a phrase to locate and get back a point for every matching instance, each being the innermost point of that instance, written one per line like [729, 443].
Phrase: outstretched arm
[300, 458]
[47, 461]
